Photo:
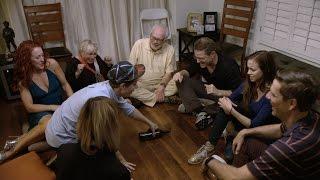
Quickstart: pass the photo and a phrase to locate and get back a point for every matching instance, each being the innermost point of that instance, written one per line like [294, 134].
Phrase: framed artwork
[194, 21]
[210, 21]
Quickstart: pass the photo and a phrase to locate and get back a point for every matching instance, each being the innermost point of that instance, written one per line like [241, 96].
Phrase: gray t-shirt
[61, 129]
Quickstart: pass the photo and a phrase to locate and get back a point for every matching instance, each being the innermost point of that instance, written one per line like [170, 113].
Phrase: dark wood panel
[55, 26]
[44, 18]
[236, 22]
[233, 32]
[236, 12]
[243, 3]
[50, 36]
[42, 8]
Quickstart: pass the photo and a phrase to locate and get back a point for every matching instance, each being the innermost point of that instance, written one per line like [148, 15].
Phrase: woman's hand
[53, 107]
[79, 69]
[226, 104]
[108, 61]
[130, 166]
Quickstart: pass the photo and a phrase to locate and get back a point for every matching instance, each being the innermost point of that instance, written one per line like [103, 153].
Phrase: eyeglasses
[157, 39]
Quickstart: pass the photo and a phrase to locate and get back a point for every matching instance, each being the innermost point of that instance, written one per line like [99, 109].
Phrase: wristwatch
[208, 160]
[216, 157]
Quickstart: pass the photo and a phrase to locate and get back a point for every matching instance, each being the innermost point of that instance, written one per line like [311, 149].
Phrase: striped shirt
[294, 156]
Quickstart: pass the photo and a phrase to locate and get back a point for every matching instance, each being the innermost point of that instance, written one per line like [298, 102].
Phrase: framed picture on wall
[210, 21]
[194, 21]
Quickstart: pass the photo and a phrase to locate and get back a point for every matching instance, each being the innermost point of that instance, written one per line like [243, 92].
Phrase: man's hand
[204, 168]
[206, 172]
[211, 89]
[160, 93]
[177, 77]
[238, 141]
[153, 127]
[128, 100]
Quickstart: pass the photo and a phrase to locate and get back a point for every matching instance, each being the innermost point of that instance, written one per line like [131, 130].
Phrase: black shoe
[228, 153]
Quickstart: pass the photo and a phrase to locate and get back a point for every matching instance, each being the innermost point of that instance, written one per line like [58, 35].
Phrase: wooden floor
[164, 158]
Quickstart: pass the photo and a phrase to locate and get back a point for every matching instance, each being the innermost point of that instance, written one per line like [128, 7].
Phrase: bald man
[158, 58]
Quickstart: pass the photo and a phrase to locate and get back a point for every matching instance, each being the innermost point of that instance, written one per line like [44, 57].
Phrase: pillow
[28, 166]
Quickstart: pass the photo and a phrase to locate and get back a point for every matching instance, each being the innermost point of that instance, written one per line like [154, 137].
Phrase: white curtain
[113, 24]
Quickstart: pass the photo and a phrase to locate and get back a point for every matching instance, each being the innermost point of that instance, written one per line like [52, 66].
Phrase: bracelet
[163, 84]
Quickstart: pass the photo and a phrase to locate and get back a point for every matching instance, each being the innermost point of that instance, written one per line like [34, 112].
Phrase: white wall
[180, 9]
[183, 7]
[216, 6]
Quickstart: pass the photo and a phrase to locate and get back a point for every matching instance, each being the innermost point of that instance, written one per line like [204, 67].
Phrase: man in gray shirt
[61, 129]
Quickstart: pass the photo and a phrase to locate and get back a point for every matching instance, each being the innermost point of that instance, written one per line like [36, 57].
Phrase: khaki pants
[145, 91]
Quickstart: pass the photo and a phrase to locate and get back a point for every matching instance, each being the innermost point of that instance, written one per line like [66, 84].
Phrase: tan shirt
[157, 63]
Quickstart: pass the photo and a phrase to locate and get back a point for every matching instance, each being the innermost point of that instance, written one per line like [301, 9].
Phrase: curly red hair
[23, 68]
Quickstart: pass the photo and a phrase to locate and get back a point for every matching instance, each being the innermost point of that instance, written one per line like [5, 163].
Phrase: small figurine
[8, 35]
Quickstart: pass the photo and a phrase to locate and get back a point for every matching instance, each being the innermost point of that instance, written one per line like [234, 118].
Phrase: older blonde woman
[87, 67]
[95, 156]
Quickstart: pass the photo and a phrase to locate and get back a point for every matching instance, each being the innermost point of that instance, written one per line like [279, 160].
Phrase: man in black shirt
[219, 76]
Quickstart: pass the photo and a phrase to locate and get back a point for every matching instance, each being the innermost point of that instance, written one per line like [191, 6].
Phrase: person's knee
[171, 89]
[43, 123]
[39, 146]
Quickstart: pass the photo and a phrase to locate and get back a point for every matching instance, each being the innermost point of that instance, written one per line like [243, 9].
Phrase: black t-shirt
[226, 75]
[86, 77]
[72, 163]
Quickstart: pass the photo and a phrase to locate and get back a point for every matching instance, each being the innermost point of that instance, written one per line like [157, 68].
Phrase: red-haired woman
[40, 81]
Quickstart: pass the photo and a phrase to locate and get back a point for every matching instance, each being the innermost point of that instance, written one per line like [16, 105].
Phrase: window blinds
[293, 26]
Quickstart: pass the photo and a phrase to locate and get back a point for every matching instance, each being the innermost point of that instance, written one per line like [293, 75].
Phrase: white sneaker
[203, 152]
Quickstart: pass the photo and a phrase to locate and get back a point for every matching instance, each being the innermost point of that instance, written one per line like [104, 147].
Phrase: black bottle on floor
[145, 136]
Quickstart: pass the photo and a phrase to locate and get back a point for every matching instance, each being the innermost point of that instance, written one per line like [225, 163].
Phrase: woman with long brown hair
[95, 154]
[246, 107]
